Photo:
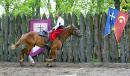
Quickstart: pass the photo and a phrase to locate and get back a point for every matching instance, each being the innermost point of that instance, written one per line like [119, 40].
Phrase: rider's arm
[57, 24]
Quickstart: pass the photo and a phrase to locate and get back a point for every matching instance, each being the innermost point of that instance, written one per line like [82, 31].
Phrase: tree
[32, 7]
[28, 7]
[65, 5]
[7, 4]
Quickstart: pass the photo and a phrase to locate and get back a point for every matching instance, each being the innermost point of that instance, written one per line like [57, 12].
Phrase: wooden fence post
[128, 41]
[124, 44]
[11, 39]
[89, 41]
[82, 30]
[70, 57]
[25, 23]
[0, 24]
[2, 45]
[96, 38]
[18, 33]
[2, 38]
[122, 49]
[75, 40]
[106, 42]
[113, 48]
[65, 49]
[24, 26]
[5, 43]
[92, 35]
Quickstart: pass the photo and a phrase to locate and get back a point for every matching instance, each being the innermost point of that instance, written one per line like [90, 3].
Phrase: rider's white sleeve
[57, 24]
[60, 21]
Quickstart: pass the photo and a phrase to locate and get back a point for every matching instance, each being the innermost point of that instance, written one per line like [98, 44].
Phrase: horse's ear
[73, 25]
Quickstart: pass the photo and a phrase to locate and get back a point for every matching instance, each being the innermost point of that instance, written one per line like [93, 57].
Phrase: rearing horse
[30, 39]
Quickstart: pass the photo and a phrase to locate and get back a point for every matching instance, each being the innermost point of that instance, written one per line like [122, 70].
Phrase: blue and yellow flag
[111, 18]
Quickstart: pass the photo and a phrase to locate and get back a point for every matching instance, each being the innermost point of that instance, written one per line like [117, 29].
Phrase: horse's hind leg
[22, 54]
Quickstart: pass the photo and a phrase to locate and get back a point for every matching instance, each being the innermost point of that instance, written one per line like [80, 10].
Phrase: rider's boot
[48, 45]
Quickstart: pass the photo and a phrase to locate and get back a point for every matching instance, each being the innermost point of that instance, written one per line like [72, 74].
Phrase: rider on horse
[57, 29]
[53, 34]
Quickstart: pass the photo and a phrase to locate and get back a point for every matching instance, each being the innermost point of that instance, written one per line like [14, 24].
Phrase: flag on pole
[120, 25]
[111, 18]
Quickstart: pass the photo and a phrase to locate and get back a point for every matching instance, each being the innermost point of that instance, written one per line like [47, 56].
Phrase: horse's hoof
[49, 60]
[21, 63]
[32, 64]
[49, 65]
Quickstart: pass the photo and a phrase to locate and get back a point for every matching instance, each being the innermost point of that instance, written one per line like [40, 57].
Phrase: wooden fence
[92, 47]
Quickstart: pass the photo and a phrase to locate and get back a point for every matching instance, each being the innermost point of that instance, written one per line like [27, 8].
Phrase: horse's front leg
[52, 57]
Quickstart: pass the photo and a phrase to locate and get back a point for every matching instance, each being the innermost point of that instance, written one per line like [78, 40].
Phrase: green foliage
[20, 7]
[97, 6]
[63, 5]
[84, 6]
[29, 7]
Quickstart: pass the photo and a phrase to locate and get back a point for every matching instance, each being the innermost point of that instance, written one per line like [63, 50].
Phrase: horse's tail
[14, 46]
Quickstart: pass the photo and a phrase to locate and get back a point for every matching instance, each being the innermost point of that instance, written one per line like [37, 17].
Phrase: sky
[1, 10]
[45, 10]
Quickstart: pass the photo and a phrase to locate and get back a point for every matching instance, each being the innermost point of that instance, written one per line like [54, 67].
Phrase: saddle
[43, 33]
[51, 35]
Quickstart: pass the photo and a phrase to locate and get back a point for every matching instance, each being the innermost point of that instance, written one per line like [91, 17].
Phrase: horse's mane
[70, 25]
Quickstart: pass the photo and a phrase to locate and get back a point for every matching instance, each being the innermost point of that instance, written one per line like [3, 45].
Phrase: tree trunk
[38, 9]
[117, 4]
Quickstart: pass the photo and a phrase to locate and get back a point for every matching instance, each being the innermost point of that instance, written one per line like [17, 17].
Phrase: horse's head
[74, 30]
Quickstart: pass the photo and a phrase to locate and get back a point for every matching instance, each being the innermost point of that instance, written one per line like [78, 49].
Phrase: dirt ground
[65, 69]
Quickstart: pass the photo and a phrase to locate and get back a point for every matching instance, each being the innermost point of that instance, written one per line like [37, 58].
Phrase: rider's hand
[53, 28]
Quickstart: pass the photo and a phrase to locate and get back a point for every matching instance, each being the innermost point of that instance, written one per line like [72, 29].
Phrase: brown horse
[30, 39]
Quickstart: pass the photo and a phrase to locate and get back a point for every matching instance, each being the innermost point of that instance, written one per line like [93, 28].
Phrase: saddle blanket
[36, 51]
[54, 34]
